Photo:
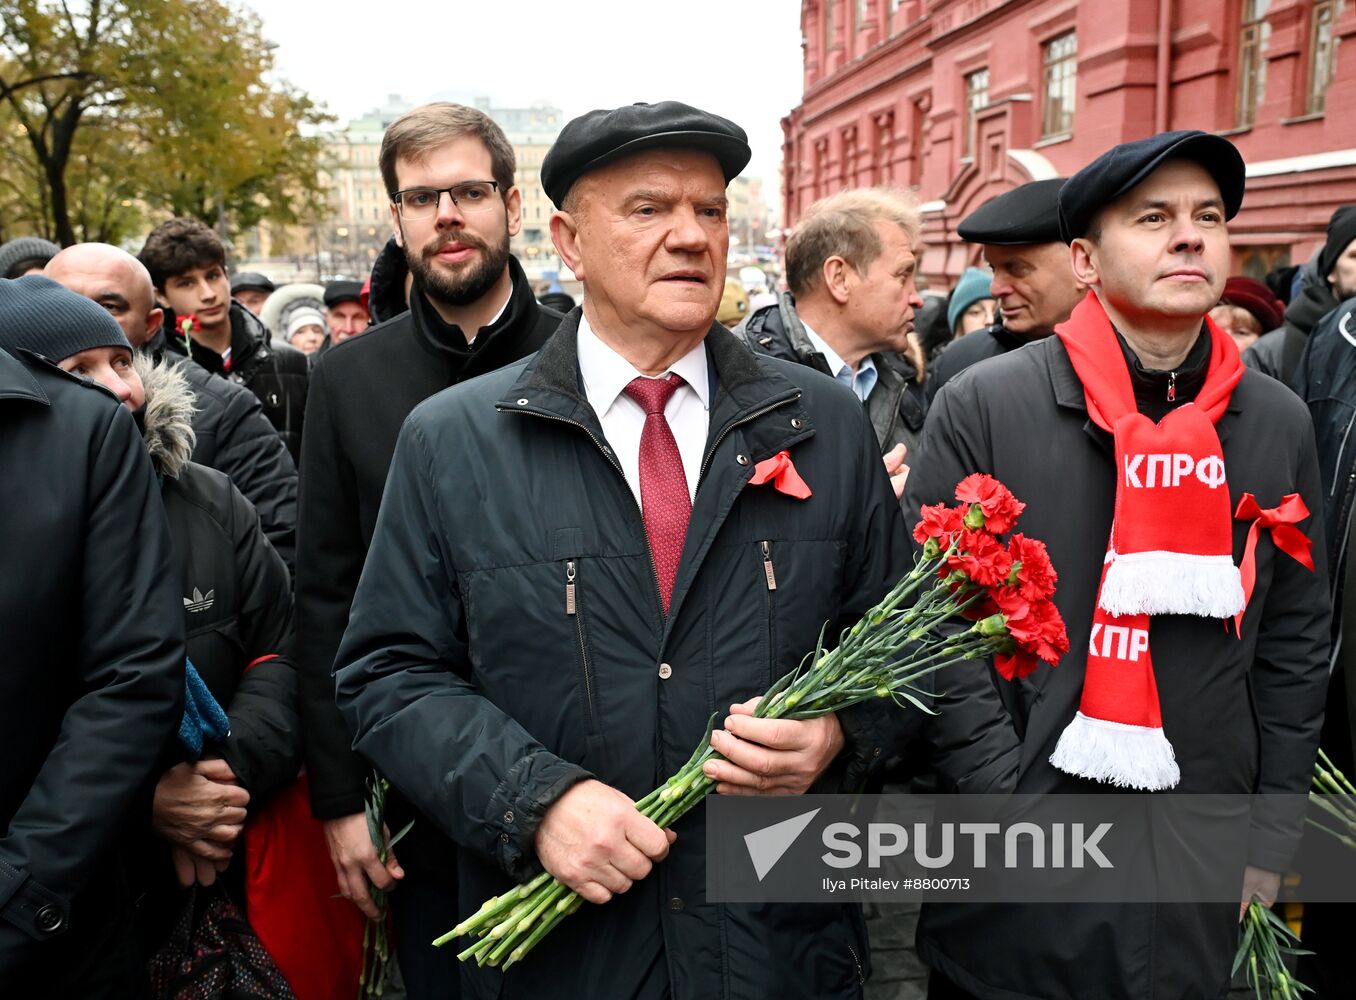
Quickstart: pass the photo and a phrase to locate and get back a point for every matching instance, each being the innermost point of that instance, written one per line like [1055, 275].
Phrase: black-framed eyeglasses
[422, 202]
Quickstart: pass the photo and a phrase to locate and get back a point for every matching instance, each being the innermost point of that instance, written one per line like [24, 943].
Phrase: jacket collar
[17, 382]
[1068, 389]
[448, 341]
[551, 380]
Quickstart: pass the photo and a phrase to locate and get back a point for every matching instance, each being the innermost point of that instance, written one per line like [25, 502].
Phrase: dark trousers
[424, 910]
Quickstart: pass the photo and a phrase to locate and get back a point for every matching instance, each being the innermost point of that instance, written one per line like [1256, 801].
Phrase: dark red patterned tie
[664, 500]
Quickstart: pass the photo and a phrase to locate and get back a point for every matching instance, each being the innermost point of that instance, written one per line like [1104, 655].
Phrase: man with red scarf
[1179, 495]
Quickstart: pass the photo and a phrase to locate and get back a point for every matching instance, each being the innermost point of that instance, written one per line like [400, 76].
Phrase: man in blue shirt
[850, 267]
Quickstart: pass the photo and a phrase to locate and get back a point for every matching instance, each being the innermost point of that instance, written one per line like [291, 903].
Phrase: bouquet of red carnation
[964, 569]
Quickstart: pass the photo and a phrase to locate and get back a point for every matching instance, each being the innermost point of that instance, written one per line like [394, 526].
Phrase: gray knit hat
[38, 314]
[30, 251]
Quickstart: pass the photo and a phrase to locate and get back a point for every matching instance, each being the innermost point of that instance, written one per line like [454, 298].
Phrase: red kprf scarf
[1170, 552]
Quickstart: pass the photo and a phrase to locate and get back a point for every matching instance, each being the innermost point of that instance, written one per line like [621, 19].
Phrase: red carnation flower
[1000, 508]
[1036, 576]
[938, 521]
[1051, 641]
[1015, 665]
[981, 558]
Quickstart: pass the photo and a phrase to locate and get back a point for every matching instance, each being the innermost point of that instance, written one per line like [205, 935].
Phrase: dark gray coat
[1241, 715]
[470, 686]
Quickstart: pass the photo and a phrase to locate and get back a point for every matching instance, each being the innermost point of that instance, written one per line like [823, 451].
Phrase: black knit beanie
[1341, 231]
[46, 318]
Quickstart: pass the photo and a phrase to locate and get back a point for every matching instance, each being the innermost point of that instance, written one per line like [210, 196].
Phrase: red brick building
[965, 99]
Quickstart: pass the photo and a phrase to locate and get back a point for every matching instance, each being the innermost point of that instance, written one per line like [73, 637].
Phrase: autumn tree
[166, 104]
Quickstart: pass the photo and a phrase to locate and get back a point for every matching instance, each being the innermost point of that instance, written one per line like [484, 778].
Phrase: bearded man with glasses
[449, 171]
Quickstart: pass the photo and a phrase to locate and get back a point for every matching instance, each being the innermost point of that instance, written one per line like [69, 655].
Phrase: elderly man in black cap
[1032, 279]
[345, 314]
[1094, 421]
[252, 289]
[572, 571]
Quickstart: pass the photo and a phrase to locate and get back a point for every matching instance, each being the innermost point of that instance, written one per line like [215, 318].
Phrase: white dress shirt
[861, 382]
[606, 374]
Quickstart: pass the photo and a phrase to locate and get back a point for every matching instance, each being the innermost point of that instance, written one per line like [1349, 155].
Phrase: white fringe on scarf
[1171, 583]
[1117, 754]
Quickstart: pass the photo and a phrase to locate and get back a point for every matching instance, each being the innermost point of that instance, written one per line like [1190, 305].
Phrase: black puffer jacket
[275, 373]
[237, 612]
[470, 683]
[1278, 353]
[236, 594]
[896, 406]
[362, 390]
[386, 295]
[232, 435]
[92, 683]
[959, 355]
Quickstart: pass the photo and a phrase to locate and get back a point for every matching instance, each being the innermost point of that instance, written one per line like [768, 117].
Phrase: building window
[976, 97]
[1061, 70]
[1323, 52]
[1252, 64]
[862, 12]
[828, 30]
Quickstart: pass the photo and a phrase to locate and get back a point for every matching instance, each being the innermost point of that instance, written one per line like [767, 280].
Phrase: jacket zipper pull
[1172, 386]
[768, 571]
[570, 606]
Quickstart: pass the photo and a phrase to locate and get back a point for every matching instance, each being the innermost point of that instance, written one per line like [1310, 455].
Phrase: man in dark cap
[251, 289]
[572, 572]
[1032, 279]
[345, 314]
[1326, 281]
[26, 255]
[1080, 426]
[449, 170]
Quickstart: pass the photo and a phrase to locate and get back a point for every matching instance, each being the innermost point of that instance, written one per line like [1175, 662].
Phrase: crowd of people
[268, 543]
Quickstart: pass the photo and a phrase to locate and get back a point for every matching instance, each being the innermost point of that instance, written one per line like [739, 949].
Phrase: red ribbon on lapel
[1281, 519]
[782, 473]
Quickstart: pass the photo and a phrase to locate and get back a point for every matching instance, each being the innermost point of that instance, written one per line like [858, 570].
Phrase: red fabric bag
[313, 935]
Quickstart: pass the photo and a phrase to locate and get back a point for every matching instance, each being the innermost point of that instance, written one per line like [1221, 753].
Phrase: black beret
[1024, 216]
[251, 279]
[599, 137]
[1119, 169]
[343, 291]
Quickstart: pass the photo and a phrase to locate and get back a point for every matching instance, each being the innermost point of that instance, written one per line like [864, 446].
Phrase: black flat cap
[1024, 216]
[599, 137]
[343, 291]
[1119, 169]
[251, 280]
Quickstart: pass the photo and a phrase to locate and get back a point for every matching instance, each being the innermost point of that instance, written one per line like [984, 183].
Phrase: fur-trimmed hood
[167, 417]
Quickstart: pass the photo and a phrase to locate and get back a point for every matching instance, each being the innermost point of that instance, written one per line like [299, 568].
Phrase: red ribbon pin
[781, 472]
[1282, 520]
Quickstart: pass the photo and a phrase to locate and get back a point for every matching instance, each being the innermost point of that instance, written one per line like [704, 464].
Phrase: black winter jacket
[232, 435]
[236, 594]
[1278, 352]
[386, 294]
[237, 613]
[471, 685]
[896, 405]
[275, 373]
[362, 390]
[959, 355]
[93, 680]
[1242, 715]
[1325, 378]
